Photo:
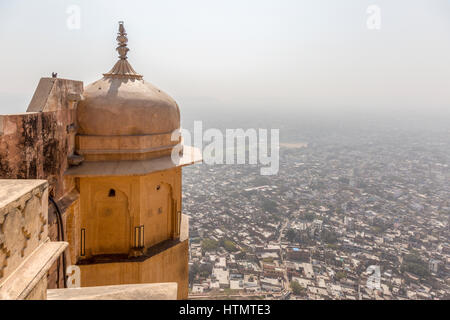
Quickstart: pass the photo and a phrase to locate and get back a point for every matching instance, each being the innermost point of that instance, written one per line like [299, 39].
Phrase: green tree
[412, 263]
[269, 205]
[209, 245]
[291, 235]
[193, 271]
[229, 245]
[329, 237]
[340, 275]
[297, 289]
[309, 216]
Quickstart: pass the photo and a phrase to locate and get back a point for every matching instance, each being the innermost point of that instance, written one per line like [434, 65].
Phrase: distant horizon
[274, 57]
[305, 154]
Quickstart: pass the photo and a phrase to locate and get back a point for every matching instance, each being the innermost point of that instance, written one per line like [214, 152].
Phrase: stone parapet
[26, 254]
[146, 291]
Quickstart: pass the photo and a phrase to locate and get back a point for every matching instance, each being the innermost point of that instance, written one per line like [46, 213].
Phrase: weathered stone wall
[37, 145]
[20, 145]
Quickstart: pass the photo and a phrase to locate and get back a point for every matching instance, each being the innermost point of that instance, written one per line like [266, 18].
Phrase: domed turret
[122, 117]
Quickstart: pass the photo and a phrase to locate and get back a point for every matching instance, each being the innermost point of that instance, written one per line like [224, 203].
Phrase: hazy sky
[283, 54]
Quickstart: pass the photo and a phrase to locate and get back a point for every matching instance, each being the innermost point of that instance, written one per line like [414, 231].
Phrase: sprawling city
[347, 217]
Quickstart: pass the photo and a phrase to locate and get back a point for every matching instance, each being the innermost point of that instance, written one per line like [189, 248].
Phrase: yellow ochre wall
[152, 200]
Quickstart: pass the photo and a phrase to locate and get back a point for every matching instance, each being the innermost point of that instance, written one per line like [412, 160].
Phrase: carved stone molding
[23, 221]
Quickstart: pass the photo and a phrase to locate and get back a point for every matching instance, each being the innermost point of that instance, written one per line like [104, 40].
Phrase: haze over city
[340, 111]
[293, 57]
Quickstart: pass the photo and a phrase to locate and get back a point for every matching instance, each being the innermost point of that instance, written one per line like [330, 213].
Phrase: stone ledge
[11, 190]
[146, 291]
[124, 258]
[22, 281]
[190, 156]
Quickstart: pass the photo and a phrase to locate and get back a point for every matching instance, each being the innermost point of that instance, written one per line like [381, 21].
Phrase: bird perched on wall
[54, 74]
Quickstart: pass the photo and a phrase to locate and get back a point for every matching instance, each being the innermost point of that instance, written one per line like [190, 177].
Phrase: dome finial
[122, 68]
[122, 41]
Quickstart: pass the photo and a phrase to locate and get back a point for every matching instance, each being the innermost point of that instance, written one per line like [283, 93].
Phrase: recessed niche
[112, 193]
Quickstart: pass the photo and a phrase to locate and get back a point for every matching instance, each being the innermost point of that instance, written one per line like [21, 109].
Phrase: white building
[223, 276]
